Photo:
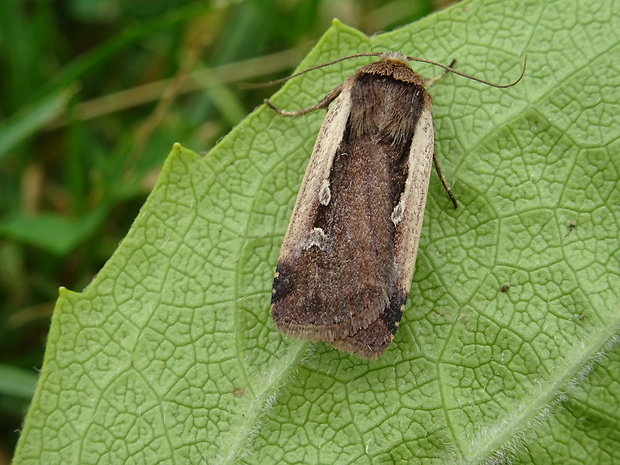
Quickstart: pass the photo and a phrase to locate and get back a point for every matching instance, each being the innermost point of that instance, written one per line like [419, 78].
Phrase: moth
[346, 264]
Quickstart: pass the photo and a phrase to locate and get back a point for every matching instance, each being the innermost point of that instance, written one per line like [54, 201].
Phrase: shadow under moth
[346, 264]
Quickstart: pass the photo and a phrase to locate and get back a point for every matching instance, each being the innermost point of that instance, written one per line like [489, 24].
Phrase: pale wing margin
[318, 171]
[413, 199]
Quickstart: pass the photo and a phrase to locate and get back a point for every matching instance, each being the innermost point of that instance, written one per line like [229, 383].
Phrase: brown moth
[347, 260]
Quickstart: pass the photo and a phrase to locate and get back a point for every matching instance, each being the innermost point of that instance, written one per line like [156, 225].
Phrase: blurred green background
[93, 95]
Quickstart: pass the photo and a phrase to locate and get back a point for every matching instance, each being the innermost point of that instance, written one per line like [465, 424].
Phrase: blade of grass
[21, 126]
[97, 56]
[17, 382]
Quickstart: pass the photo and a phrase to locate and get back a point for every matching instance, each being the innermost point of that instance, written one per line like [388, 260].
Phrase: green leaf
[170, 355]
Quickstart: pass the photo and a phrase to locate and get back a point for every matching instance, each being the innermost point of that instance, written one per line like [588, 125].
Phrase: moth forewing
[300, 231]
[407, 217]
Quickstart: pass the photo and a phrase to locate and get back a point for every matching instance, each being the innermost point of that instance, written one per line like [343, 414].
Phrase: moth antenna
[284, 79]
[376, 54]
[452, 70]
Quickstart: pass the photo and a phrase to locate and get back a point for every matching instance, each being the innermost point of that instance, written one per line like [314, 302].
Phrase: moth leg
[324, 103]
[431, 81]
[443, 181]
